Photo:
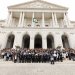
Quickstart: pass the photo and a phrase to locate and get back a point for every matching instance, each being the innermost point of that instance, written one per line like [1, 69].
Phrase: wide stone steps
[59, 68]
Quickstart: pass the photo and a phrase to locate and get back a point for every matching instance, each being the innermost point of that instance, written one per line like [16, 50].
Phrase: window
[46, 25]
[29, 25]
[38, 25]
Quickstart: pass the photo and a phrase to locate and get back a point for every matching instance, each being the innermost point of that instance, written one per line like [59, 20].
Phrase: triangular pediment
[37, 4]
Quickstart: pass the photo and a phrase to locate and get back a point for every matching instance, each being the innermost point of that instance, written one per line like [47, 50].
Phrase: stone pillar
[22, 25]
[53, 23]
[10, 19]
[0, 41]
[20, 19]
[31, 42]
[66, 20]
[56, 22]
[44, 42]
[58, 40]
[25, 22]
[43, 20]
[3, 41]
[18, 39]
[32, 19]
[71, 40]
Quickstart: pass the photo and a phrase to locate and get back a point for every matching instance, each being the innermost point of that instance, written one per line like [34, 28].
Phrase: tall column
[53, 22]
[32, 19]
[25, 22]
[10, 19]
[18, 40]
[31, 42]
[43, 20]
[20, 19]
[23, 19]
[58, 40]
[44, 42]
[66, 20]
[56, 22]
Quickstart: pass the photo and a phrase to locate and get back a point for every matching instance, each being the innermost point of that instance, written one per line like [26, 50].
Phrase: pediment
[37, 4]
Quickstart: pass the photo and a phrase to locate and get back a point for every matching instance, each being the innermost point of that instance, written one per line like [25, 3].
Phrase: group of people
[36, 55]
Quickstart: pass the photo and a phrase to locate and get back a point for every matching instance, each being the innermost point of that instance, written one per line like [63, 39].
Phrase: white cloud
[67, 3]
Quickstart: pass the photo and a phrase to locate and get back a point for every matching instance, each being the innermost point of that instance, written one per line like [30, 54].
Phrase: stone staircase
[59, 68]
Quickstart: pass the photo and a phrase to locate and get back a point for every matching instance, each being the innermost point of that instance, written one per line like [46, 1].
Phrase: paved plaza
[60, 68]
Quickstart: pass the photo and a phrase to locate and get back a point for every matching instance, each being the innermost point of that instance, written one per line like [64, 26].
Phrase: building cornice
[26, 3]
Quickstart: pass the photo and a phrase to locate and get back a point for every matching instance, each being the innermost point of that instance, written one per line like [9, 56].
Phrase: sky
[67, 3]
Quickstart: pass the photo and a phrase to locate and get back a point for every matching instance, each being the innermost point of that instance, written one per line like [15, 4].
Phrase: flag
[35, 20]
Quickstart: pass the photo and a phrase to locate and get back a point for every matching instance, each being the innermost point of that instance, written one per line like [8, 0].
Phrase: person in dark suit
[24, 54]
[15, 57]
[69, 55]
[61, 58]
[52, 59]
[33, 57]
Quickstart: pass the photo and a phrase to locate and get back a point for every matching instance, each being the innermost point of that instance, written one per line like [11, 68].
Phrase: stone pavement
[60, 68]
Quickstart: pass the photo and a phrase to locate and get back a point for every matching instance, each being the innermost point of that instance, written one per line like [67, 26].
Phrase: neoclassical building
[37, 24]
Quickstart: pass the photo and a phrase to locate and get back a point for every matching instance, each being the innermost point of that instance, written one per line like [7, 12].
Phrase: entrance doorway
[10, 41]
[26, 41]
[38, 41]
[65, 41]
[50, 41]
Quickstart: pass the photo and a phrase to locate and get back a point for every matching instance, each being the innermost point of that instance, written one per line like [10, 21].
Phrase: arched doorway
[65, 41]
[50, 41]
[26, 41]
[10, 41]
[38, 41]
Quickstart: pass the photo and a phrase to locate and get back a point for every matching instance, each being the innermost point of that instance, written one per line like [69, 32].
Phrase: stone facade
[37, 20]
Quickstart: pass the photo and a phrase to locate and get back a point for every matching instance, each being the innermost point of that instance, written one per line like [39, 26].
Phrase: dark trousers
[52, 61]
[15, 60]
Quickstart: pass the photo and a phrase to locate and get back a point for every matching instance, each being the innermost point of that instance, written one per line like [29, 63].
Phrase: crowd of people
[37, 55]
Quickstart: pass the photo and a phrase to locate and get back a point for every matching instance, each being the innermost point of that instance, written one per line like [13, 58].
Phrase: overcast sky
[67, 3]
